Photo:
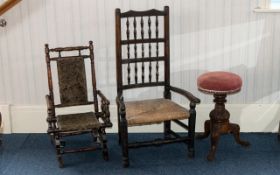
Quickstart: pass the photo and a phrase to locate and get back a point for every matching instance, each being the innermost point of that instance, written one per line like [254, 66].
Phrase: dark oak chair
[73, 91]
[146, 66]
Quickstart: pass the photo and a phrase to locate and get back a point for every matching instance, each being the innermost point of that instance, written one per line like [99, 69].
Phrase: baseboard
[250, 117]
[6, 119]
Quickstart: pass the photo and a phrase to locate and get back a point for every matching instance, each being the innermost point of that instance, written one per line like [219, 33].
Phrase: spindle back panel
[142, 48]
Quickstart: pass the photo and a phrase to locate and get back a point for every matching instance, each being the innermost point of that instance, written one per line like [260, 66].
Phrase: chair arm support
[105, 103]
[51, 119]
[50, 106]
[121, 106]
[185, 93]
[48, 100]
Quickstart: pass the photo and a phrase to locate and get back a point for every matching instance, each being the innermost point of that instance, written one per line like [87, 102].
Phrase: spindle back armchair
[73, 91]
[148, 31]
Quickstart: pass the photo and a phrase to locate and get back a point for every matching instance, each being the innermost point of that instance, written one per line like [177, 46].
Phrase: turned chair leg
[191, 135]
[119, 131]
[94, 135]
[124, 144]
[58, 151]
[103, 142]
[60, 160]
[52, 139]
[120, 138]
[167, 128]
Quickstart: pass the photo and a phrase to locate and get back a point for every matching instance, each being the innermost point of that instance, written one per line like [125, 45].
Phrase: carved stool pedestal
[220, 84]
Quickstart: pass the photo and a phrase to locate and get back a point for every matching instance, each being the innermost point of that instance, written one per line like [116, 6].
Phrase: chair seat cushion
[219, 82]
[153, 111]
[81, 121]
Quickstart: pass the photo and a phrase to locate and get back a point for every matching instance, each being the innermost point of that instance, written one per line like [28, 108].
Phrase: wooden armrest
[185, 93]
[105, 114]
[103, 98]
[51, 110]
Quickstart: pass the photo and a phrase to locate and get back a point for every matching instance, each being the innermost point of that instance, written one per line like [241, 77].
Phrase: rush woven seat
[153, 111]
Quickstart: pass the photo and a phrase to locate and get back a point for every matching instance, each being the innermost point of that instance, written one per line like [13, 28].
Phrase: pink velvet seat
[219, 82]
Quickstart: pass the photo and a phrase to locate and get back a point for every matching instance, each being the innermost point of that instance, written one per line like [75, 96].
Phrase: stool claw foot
[244, 143]
[235, 130]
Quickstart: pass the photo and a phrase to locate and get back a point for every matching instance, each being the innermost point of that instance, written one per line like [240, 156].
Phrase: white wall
[205, 35]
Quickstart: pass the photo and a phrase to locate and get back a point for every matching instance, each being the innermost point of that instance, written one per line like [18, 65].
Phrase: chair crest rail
[60, 49]
[143, 13]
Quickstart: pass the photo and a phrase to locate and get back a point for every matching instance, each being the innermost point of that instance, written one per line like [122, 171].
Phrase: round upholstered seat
[219, 82]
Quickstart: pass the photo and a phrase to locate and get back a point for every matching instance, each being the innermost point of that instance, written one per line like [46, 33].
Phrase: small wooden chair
[72, 81]
[150, 111]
